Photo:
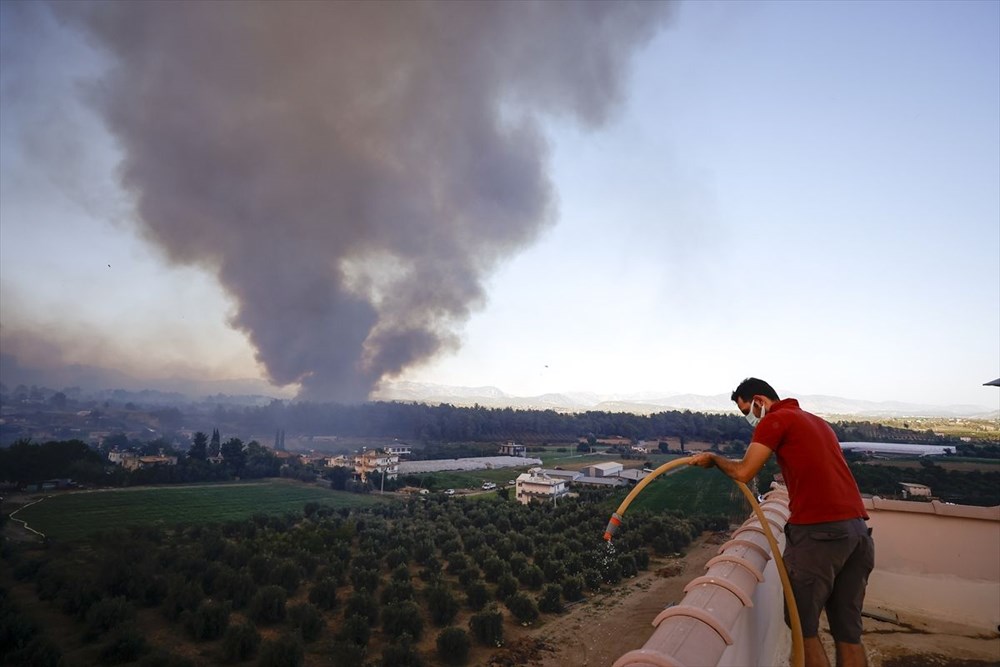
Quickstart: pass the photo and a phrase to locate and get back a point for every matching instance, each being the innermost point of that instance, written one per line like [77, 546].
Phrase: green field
[473, 479]
[694, 491]
[467, 479]
[69, 516]
[570, 460]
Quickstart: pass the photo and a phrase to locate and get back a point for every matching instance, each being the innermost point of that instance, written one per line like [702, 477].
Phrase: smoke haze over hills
[176, 390]
[547, 198]
[351, 172]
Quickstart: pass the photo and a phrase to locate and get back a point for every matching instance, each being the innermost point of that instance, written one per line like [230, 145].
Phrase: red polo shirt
[820, 485]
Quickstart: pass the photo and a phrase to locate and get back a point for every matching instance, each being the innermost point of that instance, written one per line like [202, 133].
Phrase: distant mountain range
[646, 403]
[250, 391]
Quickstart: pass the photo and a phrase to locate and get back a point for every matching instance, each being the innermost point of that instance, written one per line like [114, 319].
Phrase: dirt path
[598, 631]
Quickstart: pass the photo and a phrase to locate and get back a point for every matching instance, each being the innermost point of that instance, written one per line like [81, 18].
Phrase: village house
[512, 449]
[535, 485]
[911, 490]
[376, 462]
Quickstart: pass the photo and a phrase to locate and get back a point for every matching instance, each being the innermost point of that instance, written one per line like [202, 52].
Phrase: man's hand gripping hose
[798, 651]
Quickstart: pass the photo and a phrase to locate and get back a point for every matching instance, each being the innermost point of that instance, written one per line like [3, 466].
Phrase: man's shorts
[828, 565]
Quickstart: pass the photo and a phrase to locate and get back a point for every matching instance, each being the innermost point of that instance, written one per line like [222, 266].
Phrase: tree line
[448, 423]
[26, 462]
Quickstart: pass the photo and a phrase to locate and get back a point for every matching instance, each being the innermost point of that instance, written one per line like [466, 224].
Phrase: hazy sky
[807, 192]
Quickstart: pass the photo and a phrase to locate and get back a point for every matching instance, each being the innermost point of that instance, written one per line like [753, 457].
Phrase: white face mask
[752, 418]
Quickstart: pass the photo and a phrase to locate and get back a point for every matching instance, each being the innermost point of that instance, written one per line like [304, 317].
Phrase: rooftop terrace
[936, 583]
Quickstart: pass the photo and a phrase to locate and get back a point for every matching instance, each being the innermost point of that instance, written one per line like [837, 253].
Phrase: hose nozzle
[616, 520]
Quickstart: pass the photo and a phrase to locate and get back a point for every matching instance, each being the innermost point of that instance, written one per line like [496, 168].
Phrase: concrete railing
[931, 559]
[715, 623]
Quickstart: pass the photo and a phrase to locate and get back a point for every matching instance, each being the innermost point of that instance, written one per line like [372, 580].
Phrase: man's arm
[743, 470]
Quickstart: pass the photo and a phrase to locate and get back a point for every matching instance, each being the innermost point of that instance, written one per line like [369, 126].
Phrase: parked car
[424, 492]
[449, 492]
[489, 486]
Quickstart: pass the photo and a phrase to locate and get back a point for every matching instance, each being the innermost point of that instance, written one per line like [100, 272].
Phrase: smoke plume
[351, 171]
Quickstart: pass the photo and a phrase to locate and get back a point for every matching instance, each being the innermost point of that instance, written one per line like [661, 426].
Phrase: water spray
[798, 650]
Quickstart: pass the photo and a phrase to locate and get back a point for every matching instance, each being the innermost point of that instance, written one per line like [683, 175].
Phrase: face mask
[753, 419]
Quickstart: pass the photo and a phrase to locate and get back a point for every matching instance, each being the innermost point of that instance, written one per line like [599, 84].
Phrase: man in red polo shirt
[828, 548]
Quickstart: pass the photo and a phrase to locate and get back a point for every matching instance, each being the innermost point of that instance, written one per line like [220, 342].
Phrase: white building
[603, 470]
[133, 461]
[378, 463]
[140, 462]
[339, 461]
[915, 490]
[633, 475]
[512, 449]
[556, 473]
[535, 485]
[118, 458]
[398, 450]
[641, 448]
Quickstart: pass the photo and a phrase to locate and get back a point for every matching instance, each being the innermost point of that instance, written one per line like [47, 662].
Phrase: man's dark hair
[753, 387]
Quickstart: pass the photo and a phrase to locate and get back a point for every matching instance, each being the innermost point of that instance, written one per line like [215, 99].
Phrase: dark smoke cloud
[351, 171]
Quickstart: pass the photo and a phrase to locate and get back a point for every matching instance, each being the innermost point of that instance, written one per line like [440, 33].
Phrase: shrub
[554, 570]
[107, 614]
[347, 654]
[487, 627]
[431, 569]
[396, 591]
[572, 588]
[286, 574]
[468, 575]
[324, 594]
[237, 587]
[362, 603]
[551, 600]
[181, 596]
[364, 579]
[285, 651]
[401, 618]
[457, 562]
[517, 564]
[506, 586]
[240, 642]
[612, 572]
[268, 605]
[532, 577]
[161, 658]
[493, 568]
[592, 578]
[127, 645]
[628, 565]
[356, 630]
[209, 621]
[307, 619]
[396, 557]
[477, 595]
[441, 604]
[401, 653]
[523, 608]
[260, 567]
[35, 652]
[453, 646]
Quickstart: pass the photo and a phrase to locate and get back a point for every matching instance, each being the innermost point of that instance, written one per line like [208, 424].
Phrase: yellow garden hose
[798, 650]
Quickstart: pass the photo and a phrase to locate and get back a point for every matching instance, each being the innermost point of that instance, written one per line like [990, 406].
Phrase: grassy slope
[74, 515]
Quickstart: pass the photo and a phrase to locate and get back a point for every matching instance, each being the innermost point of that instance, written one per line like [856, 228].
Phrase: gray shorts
[828, 565]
